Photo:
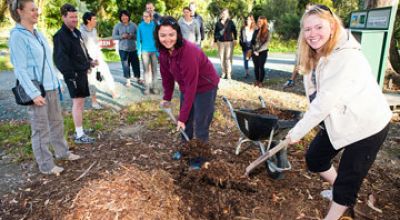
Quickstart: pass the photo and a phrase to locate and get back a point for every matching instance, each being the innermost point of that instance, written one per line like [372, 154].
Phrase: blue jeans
[128, 59]
[201, 115]
[150, 61]
[245, 61]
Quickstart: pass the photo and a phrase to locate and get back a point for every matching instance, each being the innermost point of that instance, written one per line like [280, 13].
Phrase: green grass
[110, 55]
[15, 139]
[5, 63]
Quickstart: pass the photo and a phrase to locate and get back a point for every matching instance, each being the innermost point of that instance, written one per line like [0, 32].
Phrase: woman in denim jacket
[31, 58]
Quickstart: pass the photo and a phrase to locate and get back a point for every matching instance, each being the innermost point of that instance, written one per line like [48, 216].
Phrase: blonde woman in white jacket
[345, 101]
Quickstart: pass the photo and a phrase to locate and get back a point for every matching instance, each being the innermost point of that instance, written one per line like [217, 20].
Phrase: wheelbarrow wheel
[275, 160]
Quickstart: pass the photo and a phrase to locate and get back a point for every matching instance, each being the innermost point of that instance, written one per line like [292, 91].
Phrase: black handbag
[21, 97]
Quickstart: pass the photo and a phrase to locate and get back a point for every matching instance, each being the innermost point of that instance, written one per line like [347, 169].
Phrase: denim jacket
[26, 54]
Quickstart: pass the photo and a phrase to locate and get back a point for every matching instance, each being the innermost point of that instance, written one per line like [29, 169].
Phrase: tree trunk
[394, 56]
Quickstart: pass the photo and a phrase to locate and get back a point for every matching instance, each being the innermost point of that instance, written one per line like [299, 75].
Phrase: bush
[288, 27]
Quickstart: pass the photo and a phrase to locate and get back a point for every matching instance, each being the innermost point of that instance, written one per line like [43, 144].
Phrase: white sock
[79, 132]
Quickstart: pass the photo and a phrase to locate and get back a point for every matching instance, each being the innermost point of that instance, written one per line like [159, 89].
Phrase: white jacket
[348, 100]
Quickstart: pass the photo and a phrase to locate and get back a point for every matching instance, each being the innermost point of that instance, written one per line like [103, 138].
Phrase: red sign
[106, 43]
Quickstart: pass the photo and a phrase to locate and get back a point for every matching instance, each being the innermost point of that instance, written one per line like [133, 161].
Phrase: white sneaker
[96, 106]
[70, 156]
[327, 194]
[55, 170]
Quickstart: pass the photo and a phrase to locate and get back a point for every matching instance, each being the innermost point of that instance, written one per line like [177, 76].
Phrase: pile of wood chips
[128, 194]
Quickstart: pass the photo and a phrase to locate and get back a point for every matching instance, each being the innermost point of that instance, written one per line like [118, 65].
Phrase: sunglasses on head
[167, 21]
[324, 7]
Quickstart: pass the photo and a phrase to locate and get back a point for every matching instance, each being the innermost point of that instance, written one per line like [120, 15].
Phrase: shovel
[267, 155]
[169, 113]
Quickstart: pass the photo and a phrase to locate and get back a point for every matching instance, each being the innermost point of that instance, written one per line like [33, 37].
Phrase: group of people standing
[337, 79]
[254, 40]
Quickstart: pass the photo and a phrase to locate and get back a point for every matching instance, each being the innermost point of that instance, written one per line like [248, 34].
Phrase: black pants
[259, 62]
[357, 158]
[201, 115]
[128, 59]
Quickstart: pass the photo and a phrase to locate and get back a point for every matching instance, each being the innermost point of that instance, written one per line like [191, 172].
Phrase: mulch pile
[129, 194]
[281, 114]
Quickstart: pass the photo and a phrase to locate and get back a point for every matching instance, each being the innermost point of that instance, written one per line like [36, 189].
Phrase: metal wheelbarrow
[258, 128]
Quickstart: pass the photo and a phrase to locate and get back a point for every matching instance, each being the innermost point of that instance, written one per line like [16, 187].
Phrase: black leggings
[357, 158]
[259, 62]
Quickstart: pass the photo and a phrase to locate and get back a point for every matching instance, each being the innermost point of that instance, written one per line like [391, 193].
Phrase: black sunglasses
[325, 8]
[167, 21]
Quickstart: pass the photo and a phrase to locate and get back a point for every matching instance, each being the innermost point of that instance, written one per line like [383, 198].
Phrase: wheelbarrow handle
[267, 155]
[172, 117]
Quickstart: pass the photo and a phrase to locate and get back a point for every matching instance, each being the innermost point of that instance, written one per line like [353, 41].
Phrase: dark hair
[124, 12]
[168, 21]
[67, 8]
[186, 8]
[87, 17]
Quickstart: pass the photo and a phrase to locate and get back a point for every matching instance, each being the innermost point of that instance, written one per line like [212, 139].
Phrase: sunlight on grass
[5, 63]
[110, 55]
[15, 139]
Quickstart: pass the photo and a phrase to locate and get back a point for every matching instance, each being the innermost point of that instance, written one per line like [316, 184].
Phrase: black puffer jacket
[70, 54]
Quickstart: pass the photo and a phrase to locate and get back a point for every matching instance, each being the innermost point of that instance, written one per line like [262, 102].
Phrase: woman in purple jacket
[184, 63]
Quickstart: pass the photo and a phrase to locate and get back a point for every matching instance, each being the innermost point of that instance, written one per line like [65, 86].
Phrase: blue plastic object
[176, 155]
[196, 163]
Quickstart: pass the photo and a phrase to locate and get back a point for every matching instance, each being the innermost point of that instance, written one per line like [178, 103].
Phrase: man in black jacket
[72, 59]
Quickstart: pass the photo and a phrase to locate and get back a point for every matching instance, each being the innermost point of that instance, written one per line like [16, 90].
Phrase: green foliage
[235, 7]
[343, 8]
[289, 26]
[51, 17]
[110, 55]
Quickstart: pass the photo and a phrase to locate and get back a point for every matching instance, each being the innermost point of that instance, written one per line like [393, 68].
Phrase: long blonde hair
[308, 58]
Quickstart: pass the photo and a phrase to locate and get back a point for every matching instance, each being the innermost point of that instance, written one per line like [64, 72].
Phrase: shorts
[357, 158]
[78, 87]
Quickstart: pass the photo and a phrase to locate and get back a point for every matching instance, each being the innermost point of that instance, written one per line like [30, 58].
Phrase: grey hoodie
[190, 32]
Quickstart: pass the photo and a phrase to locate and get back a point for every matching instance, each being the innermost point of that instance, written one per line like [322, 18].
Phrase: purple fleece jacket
[192, 70]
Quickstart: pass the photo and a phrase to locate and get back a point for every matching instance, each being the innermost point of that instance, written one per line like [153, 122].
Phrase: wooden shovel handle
[267, 155]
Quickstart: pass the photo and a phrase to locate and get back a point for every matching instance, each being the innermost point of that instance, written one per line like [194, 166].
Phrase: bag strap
[44, 53]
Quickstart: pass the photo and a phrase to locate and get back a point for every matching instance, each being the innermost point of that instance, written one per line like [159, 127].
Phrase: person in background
[198, 18]
[186, 64]
[340, 87]
[246, 35]
[31, 57]
[295, 72]
[146, 48]
[260, 43]
[225, 36]
[125, 32]
[72, 59]
[89, 36]
[189, 27]
[154, 15]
